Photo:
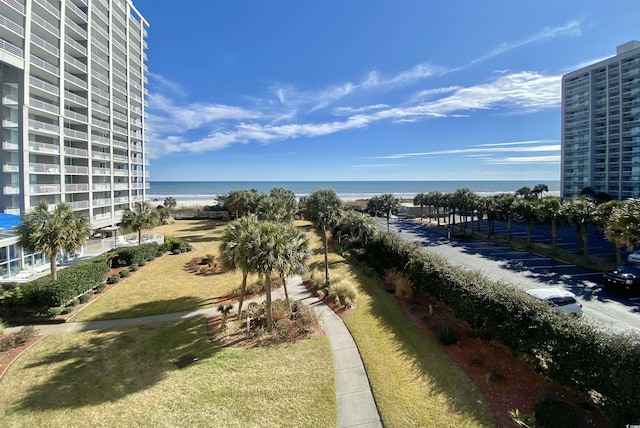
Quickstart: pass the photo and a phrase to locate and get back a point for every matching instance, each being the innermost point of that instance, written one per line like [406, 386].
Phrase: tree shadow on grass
[106, 366]
[144, 313]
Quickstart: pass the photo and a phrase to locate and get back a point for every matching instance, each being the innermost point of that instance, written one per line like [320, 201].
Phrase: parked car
[624, 278]
[634, 257]
[559, 300]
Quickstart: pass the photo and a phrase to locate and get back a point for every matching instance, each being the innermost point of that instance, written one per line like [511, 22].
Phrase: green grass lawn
[164, 285]
[128, 378]
[413, 381]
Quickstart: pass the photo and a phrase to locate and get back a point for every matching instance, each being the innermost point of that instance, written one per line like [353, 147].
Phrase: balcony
[100, 155]
[9, 146]
[75, 45]
[45, 65]
[79, 187]
[100, 123]
[74, 62]
[48, 7]
[72, 133]
[45, 86]
[38, 147]
[45, 24]
[101, 202]
[70, 114]
[78, 205]
[76, 170]
[15, 5]
[77, 81]
[10, 167]
[36, 125]
[44, 188]
[76, 152]
[120, 199]
[101, 171]
[100, 108]
[44, 168]
[38, 41]
[70, 96]
[41, 105]
[11, 190]
[100, 140]
[100, 187]
[76, 10]
[11, 26]
[75, 27]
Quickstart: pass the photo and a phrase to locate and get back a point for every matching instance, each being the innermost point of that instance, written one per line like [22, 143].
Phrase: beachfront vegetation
[51, 233]
[324, 209]
[143, 216]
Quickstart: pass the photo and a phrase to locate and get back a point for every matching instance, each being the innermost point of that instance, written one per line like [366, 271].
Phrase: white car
[634, 257]
[559, 300]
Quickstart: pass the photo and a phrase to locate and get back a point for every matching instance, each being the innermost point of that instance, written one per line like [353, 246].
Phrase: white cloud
[479, 150]
[554, 159]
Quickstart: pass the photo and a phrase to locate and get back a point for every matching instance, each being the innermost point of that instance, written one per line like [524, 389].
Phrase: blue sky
[367, 90]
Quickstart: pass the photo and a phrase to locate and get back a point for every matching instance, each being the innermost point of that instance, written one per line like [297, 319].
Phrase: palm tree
[234, 251]
[505, 208]
[274, 209]
[624, 225]
[269, 251]
[323, 208]
[170, 203]
[539, 189]
[389, 204]
[435, 199]
[607, 214]
[490, 208]
[420, 199]
[51, 233]
[581, 212]
[143, 216]
[288, 198]
[359, 225]
[526, 211]
[550, 211]
[296, 255]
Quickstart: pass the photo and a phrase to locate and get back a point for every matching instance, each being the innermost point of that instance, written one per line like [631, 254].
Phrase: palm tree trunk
[326, 256]
[509, 222]
[554, 235]
[528, 235]
[438, 214]
[286, 293]
[388, 214]
[243, 289]
[139, 236]
[53, 266]
[585, 239]
[267, 292]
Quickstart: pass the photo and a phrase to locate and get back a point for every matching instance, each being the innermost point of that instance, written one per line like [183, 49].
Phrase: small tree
[50, 233]
[143, 216]
[170, 203]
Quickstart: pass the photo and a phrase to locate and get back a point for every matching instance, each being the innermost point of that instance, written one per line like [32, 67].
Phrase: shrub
[54, 311]
[447, 335]
[344, 293]
[305, 316]
[551, 413]
[133, 268]
[84, 298]
[100, 287]
[124, 273]
[176, 251]
[113, 279]
[399, 282]
[279, 309]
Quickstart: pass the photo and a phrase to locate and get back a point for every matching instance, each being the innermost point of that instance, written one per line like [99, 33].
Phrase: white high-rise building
[601, 126]
[72, 87]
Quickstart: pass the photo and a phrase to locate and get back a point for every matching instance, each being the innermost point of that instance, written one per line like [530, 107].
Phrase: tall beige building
[601, 126]
[72, 86]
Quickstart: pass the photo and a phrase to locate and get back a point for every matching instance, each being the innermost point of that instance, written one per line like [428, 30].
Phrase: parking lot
[524, 270]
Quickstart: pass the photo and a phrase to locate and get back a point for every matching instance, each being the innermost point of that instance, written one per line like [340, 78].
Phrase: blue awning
[9, 221]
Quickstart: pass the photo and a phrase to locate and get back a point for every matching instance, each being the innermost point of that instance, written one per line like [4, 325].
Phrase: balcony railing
[51, 108]
[71, 78]
[73, 115]
[38, 41]
[77, 46]
[78, 205]
[101, 171]
[11, 48]
[10, 167]
[76, 98]
[101, 187]
[102, 202]
[76, 28]
[100, 155]
[11, 190]
[76, 169]
[76, 10]
[99, 139]
[81, 135]
[16, 5]
[79, 65]
[77, 187]
[44, 188]
[45, 65]
[43, 126]
[45, 86]
[120, 172]
[74, 151]
[35, 146]
[11, 26]
[44, 168]
[44, 24]
[48, 7]
[100, 108]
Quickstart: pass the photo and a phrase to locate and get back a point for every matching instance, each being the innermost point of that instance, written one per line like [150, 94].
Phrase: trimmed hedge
[130, 256]
[569, 350]
[71, 282]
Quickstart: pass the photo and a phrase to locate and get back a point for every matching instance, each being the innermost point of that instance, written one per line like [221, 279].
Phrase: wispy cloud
[572, 28]
[524, 146]
[554, 159]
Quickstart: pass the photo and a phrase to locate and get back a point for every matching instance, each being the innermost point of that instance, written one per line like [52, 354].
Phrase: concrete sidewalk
[356, 406]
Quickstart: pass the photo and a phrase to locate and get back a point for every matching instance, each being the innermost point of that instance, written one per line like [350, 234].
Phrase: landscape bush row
[566, 349]
[76, 283]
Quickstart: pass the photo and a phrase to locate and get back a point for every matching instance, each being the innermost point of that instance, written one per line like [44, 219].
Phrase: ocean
[185, 190]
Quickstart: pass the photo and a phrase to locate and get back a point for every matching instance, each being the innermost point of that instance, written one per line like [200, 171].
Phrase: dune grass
[413, 381]
[164, 286]
[127, 378]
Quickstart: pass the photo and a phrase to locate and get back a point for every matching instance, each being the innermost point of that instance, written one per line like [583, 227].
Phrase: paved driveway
[606, 310]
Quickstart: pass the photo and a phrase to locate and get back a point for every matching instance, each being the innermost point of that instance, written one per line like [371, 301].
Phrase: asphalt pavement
[605, 310]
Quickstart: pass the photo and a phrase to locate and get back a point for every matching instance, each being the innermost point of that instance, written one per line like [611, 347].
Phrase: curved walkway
[355, 403]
